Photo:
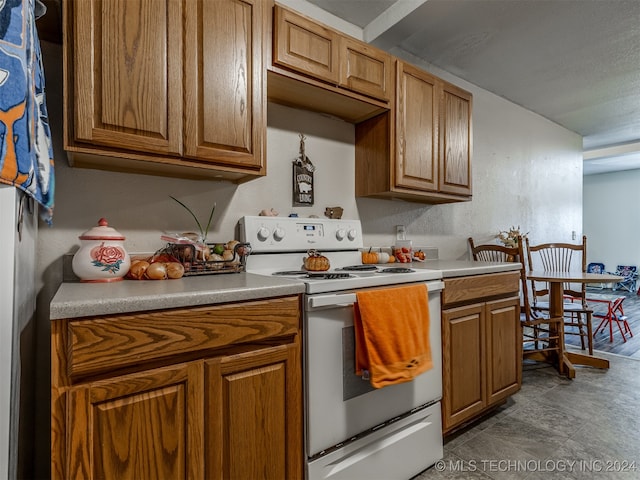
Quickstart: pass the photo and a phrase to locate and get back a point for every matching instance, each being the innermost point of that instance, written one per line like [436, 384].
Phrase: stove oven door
[339, 404]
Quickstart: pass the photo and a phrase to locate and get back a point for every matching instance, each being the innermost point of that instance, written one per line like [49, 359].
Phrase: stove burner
[328, 276]
[290, 272]
[397, 270]
[360, 268]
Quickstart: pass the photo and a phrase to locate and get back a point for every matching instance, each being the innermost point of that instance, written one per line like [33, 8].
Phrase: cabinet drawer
[109, 342]
[472, 288]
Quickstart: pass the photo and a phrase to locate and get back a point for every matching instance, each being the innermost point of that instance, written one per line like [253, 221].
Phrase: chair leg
[617, 320]
[600, 325]
[590, 333]
[578, 320]
[628, 328]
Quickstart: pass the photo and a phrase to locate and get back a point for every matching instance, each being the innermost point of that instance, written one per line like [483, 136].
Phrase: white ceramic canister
[101, 257]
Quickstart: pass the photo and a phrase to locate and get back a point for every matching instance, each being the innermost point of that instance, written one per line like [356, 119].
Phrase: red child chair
[615, 314]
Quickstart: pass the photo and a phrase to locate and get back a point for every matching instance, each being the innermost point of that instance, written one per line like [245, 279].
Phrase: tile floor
[585, 428]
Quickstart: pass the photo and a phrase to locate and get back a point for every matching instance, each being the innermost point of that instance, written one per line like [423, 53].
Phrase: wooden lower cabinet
[231, 412]
[464, 373]
[253, 430]
[482, 358]
[138, 426]
[504, 349]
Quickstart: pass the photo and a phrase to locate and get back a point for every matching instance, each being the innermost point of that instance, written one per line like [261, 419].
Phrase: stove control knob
[340, 234]
[278, 233]
[263, 233]
[351, 235]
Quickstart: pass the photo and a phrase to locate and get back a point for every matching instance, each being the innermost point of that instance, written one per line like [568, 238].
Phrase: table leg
[556, 309]
[568, 359]
[590, 360]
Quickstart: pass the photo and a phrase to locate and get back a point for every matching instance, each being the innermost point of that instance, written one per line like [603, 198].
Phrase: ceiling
[575, 62]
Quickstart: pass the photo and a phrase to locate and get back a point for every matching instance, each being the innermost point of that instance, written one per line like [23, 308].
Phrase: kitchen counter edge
[77, 300]
[462, 268]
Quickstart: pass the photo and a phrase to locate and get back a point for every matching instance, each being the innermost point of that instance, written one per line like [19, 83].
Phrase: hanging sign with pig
[303, 178]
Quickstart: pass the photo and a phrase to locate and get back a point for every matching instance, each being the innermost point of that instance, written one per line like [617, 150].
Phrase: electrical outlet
[400, 232]
[573, 235]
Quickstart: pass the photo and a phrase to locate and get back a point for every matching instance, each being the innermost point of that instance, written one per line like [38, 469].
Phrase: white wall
[611, 219]
[527, 171]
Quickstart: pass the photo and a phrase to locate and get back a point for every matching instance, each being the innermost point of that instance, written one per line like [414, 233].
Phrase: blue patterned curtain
[26, 153]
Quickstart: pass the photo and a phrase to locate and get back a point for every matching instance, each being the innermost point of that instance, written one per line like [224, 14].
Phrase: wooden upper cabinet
[455, 140]
[365, 69]
[167, 87]
[421, 149]
[127, 79]
[305, 46]
[225, 101]
[417, 103]
[324, 54]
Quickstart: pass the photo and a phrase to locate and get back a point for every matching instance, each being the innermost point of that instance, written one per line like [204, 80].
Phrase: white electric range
[352, 430]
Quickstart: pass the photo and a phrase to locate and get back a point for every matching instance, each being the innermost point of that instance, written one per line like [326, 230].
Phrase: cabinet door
[504, 349]
[455, 140]
[143, 425]
[365, 69]
[254, 425]
[305, 46]
[463, 350]
[225, 96]
[127, 74]
[417, 129]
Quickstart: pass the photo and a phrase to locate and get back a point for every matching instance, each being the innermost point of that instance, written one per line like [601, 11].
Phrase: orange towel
[392, 334]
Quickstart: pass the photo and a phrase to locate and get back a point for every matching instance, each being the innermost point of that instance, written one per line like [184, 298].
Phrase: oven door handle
[348, 299]
[333, 300]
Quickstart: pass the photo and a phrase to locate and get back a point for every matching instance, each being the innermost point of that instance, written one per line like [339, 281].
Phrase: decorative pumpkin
[369, 257]
[383, 257]
[316, 262]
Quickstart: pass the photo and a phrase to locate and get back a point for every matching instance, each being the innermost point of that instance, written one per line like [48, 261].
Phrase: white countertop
[76, 299]
[461, 268]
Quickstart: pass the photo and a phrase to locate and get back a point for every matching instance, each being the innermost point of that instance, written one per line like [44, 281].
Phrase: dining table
[566, 361]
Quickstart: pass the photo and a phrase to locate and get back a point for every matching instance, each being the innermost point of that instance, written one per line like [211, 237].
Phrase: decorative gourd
[369, 257]
[316, 262]
[383, 257]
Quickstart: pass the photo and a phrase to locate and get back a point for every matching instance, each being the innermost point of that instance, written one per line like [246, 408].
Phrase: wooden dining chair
[563, 257]
[540, 334]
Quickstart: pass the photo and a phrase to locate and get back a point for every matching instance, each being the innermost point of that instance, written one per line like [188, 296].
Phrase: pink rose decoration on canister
[102, 256]
[108, 258]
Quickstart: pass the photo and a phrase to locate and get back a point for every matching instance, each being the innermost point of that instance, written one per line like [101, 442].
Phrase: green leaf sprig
[203, 232]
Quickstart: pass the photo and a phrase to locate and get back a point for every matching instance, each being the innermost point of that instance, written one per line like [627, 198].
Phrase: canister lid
[102, 232]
